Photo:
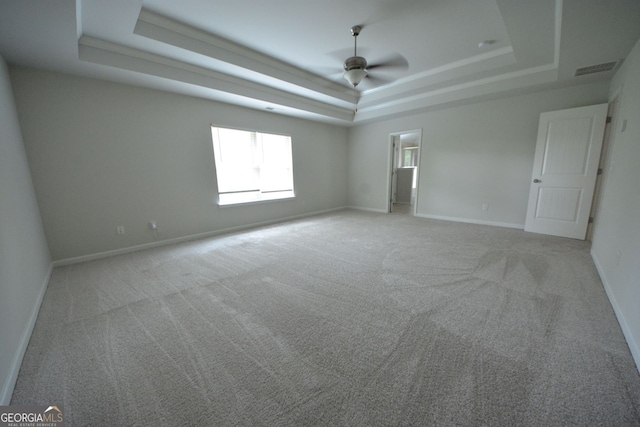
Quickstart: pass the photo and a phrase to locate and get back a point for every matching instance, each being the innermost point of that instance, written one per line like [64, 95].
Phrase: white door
[564, 171]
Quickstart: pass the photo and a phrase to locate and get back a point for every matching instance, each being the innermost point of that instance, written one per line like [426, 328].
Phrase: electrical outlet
[120, 229]
[485, 206]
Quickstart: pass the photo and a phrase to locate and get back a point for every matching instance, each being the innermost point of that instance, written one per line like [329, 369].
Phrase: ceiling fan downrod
[355, 32]
[355, 67]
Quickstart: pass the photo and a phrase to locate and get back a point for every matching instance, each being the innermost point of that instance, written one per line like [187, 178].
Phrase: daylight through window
[252, 166]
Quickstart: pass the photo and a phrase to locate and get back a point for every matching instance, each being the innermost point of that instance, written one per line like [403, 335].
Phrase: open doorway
[404, 169]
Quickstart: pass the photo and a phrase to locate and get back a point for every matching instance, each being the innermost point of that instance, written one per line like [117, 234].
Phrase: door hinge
[590, 220]
[609, 118]
[600, 170]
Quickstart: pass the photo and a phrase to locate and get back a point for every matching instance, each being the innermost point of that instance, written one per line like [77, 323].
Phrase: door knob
[536, 180]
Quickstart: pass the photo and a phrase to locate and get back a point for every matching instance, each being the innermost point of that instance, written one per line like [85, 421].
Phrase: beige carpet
[346, 319]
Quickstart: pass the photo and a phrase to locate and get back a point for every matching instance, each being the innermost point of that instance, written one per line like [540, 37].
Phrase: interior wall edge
[472, 221]
[10, 381]
[626, 331]
[182, 239]
[363, 208]
[25, 260]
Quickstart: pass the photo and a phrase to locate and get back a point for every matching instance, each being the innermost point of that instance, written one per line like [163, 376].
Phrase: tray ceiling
[286, 55]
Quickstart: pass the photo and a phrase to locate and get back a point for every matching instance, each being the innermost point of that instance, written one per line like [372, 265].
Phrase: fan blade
[392, 61]
[374, 80]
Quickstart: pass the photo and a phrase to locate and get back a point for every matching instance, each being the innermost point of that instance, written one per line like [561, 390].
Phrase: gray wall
[24, 256]
[104, 154]
[616, 240]
[473, 154]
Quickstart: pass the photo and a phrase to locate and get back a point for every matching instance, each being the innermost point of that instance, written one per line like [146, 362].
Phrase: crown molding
[103, 52]
[464, 91]
[431, 79]
[169, 31]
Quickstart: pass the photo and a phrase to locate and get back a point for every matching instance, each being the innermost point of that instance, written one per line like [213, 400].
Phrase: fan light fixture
[355, 67]
[355, 76]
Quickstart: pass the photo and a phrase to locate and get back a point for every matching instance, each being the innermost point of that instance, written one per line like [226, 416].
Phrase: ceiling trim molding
[495, 84]
[103, 52]
[169, 31]
[506, 51]
[461, 69]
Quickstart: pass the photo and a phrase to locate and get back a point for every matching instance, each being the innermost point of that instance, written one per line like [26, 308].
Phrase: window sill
[241, 199]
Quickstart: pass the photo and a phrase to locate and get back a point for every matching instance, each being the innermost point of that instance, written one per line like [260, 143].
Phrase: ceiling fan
[356, 67]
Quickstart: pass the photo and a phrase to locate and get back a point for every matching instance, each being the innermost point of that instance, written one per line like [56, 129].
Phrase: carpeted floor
[345, 319]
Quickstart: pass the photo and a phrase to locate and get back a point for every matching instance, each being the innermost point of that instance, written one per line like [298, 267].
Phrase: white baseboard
[10, 381]
[106, 254]
[360, 208]
[472, 221]
[626, 331]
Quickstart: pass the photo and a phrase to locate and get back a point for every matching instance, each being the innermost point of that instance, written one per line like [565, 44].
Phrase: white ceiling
[286, 55]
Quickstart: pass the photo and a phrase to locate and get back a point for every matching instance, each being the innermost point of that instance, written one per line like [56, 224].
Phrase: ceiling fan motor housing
[355, 63]
[355, 69]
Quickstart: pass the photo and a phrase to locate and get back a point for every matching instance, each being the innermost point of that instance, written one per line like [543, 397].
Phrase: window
[252, 166]
[409, 156]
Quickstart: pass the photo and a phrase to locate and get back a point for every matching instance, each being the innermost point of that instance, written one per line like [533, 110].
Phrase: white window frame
[258, 192]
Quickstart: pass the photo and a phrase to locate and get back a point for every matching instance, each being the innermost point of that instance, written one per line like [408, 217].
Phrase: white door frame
[396, 143]
[391, 168]
[603, 168]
